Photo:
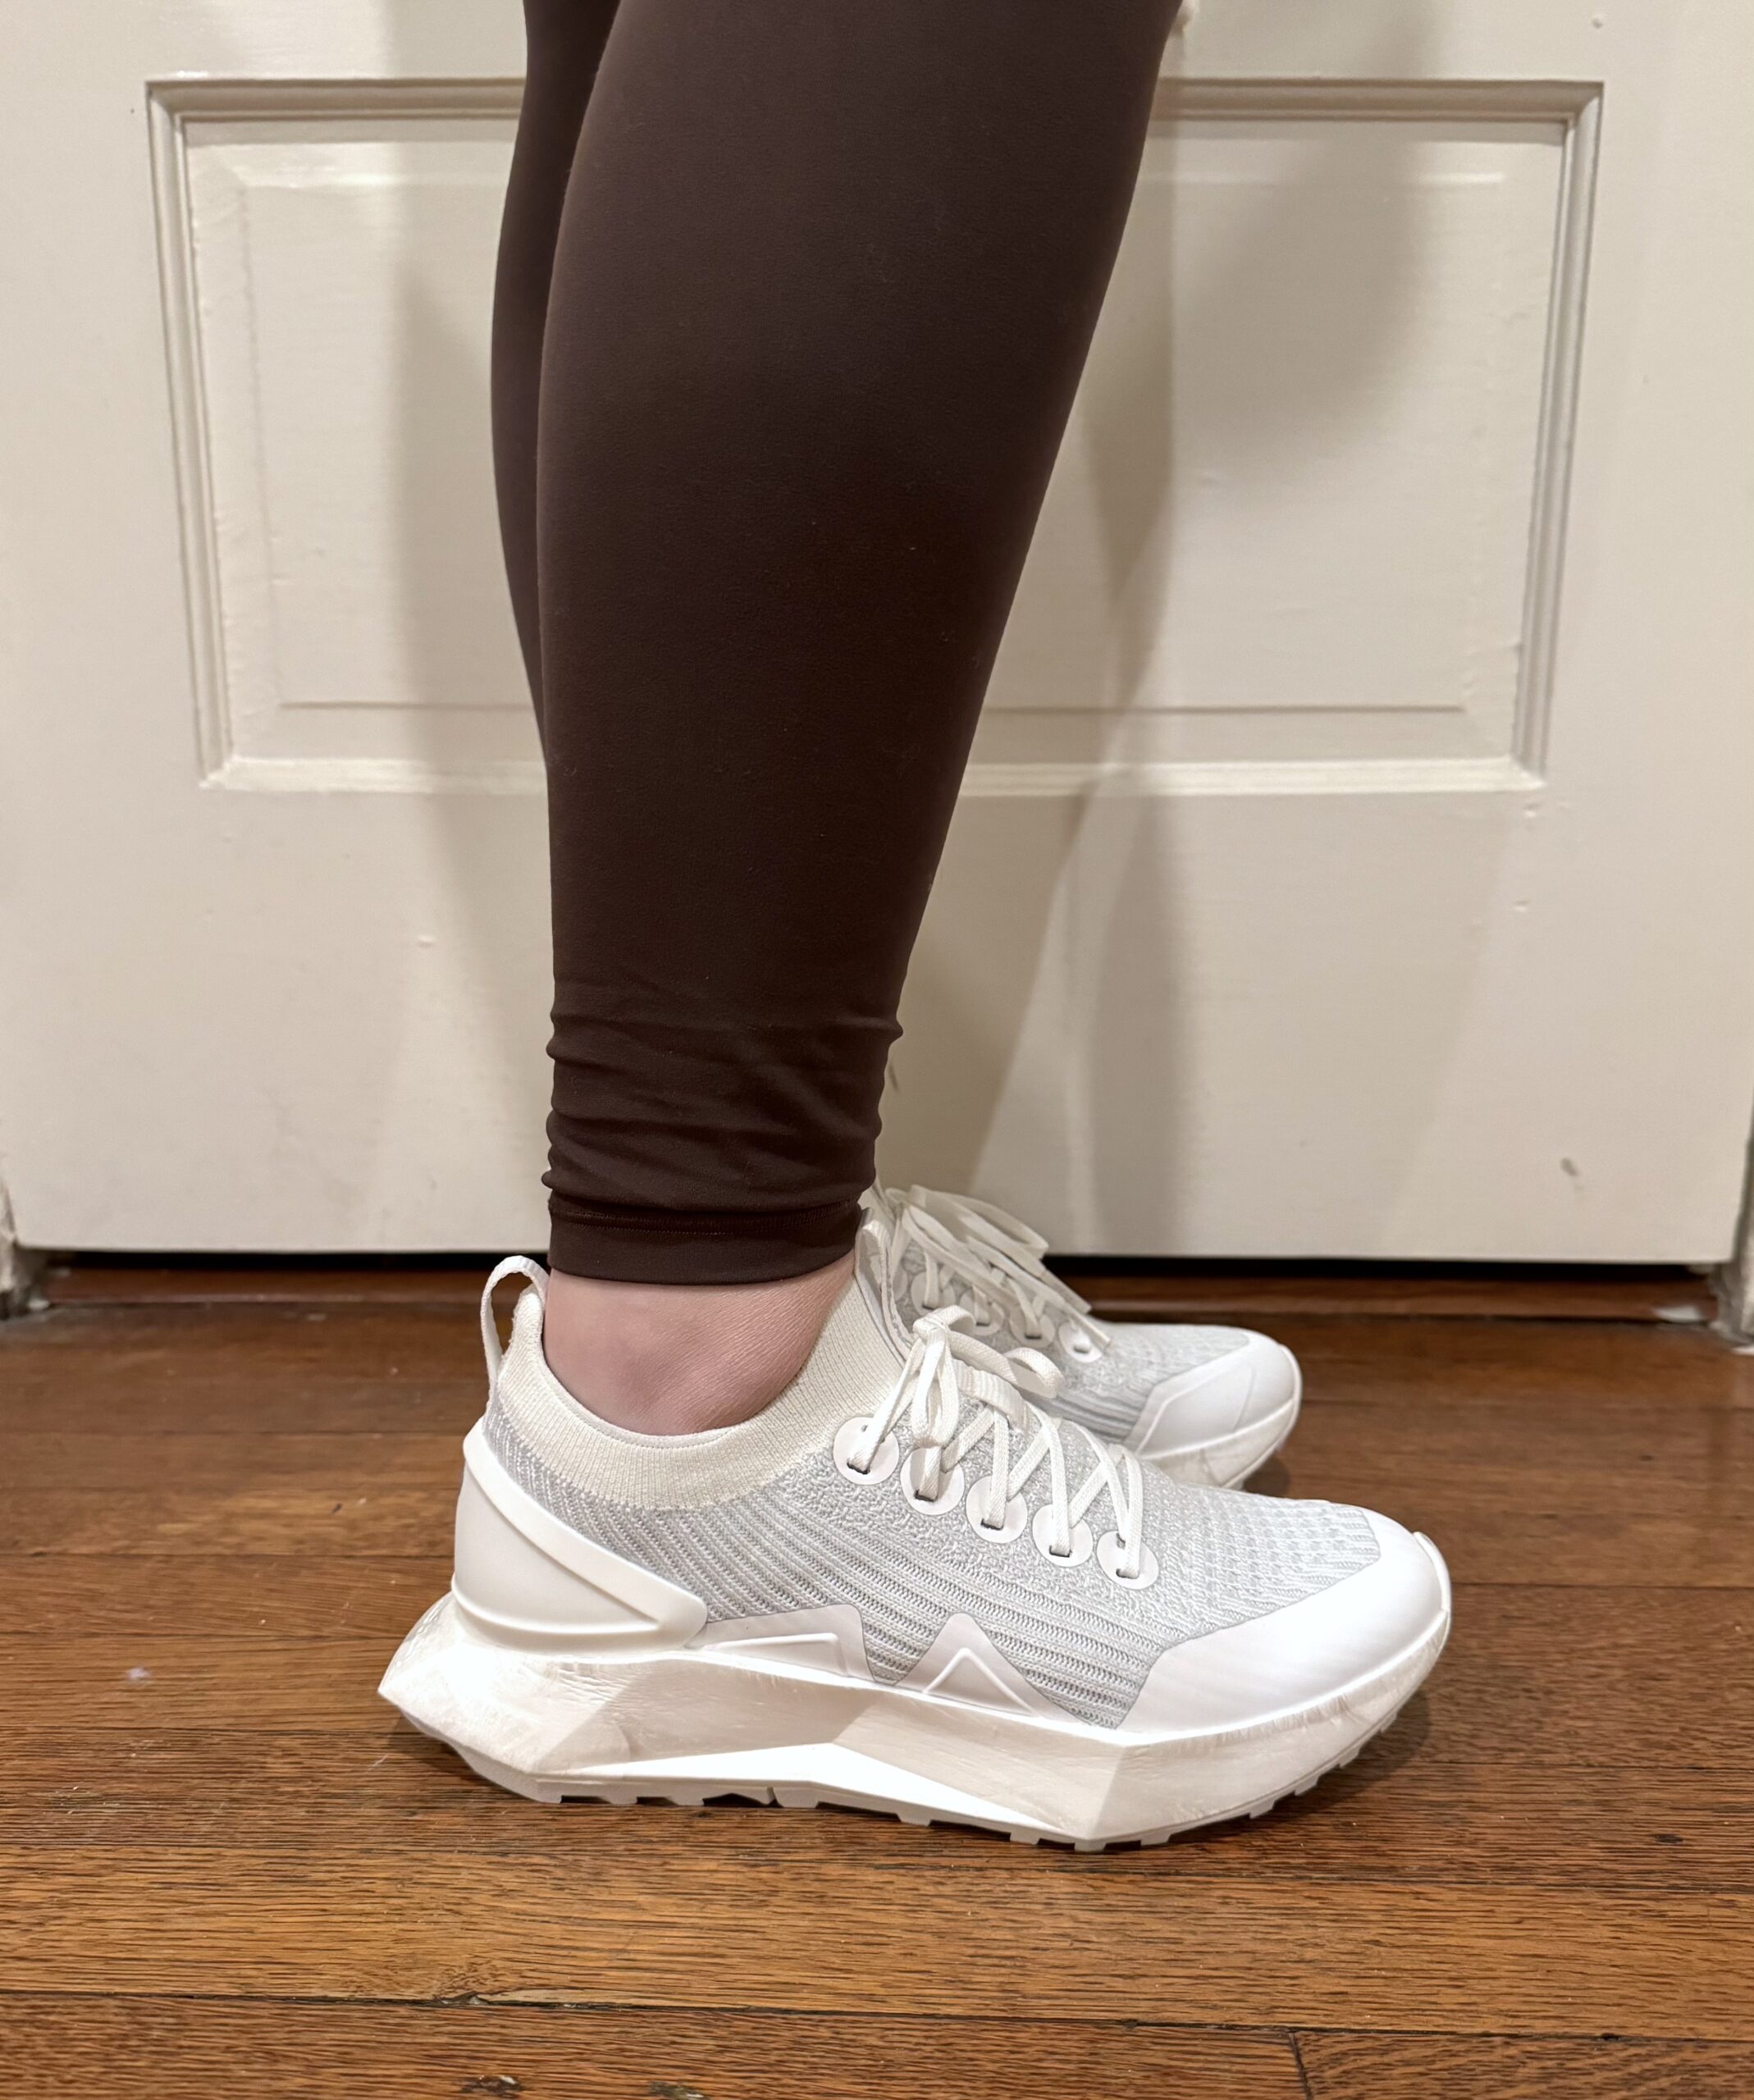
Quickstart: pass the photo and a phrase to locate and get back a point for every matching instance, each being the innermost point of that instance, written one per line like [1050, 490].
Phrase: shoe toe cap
[1247, 1385]
[1325, 1647]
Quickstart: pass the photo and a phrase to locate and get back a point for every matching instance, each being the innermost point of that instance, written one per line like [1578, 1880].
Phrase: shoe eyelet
[1041, 1529]
[883, 1460]
[1016, 1517]
[1108, 1555]
[949, 1496]
[1082, 1348]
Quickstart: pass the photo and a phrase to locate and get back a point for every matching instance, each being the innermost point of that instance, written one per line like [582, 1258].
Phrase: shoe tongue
[908, 1276]
[876, 1235]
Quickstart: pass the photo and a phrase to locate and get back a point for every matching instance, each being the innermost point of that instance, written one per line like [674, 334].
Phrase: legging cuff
[703, 1247]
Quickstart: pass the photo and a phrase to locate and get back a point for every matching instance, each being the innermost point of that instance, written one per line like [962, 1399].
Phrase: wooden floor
[225, 1868]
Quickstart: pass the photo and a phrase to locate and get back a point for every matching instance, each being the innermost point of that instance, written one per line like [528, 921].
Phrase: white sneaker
[905, 1586]
[1207, 1404]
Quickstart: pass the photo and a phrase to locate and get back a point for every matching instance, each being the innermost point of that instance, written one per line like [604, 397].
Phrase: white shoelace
[978, 1256]
[947, 1371]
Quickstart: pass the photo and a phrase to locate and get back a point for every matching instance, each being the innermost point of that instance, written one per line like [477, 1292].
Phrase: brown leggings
[793, 297]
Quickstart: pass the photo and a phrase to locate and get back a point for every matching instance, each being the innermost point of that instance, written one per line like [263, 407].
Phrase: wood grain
[1403, 1812]
[94, 1281]
[389, 1347]
[1389, 1290]
[226, 1861]
[1524, 1364]
[1500, 2067]
[427, 1924]
[1156, 1290]
[1583, 1677]
[1650, 1495]
[368, 1370]
[212, 1593]
[358, 1515]
[569, 2052]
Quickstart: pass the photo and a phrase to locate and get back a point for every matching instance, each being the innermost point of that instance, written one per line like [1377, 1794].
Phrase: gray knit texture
[1107, 1393]
[809, 1538]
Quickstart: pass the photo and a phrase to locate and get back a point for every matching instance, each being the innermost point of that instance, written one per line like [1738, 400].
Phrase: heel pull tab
[514, 1265]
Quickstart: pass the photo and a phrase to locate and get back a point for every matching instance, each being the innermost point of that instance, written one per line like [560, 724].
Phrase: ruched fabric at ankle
[618, 1465]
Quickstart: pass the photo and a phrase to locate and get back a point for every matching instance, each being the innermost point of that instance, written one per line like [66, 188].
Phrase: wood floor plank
[1657, 1453]
[1390, 1291]
[170, 1406]
[1167, 1290]
[125, 1461]
[96, 1284]
[1506, 1547]
[242, 1341]
[1651, 1494]
[1529, 1364]
[207, 1594]
[374, 1370]
[1500, 2067]
[1505, 1362]
[431, 1924]
[173, 1395]
[1656, 1494]
[70, 2047]
[1582, 1677]
[1559, 1548]
[358, 1515]
[1402, 1813]
[1664, 1455]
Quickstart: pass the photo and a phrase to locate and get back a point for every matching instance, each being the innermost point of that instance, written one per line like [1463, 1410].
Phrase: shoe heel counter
[527, 1578]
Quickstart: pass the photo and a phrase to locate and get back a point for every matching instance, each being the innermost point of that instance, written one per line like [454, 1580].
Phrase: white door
[1359, 849]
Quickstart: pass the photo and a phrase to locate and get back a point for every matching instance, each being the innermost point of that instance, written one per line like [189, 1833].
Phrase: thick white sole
[1237, 1458]
[1227, 1461]
[683, 1725]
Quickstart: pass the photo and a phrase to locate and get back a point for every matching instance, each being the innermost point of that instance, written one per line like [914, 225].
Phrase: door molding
[1735, 1279]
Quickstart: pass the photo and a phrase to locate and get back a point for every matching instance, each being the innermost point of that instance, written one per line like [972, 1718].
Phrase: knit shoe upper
[911, 1484]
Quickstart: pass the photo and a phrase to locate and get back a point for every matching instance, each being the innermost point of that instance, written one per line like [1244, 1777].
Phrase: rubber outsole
[1278, 1430]
[1230, 1461]
[779, 1796]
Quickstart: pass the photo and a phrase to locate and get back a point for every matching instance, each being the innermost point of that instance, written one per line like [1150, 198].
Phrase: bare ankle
[669, 1359]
